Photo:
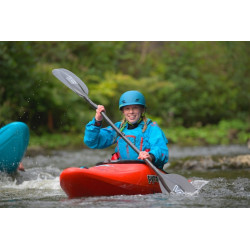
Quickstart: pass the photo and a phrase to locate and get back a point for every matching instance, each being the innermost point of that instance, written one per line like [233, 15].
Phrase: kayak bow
[14, 140]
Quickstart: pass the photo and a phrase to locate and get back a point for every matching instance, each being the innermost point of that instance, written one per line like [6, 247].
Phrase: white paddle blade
[71, 81]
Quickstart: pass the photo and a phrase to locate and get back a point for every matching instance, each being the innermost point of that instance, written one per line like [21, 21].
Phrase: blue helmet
[132, 97]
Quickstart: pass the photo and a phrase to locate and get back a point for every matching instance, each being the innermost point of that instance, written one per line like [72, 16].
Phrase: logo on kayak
[152, 179]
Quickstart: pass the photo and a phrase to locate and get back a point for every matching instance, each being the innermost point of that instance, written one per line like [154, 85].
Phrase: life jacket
[140, 139]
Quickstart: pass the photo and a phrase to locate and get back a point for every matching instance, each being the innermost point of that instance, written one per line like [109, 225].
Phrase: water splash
[42, 182]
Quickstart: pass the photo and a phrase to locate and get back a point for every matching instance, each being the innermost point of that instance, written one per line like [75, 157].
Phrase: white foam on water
[5, 178]
[199, 184]
[39, 183]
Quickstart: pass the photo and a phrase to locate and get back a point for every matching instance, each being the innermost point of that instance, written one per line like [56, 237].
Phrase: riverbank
[198, 158]
[233, 132]
[205, 163]
[204, 158]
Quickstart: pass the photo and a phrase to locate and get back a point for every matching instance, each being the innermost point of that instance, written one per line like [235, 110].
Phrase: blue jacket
[152, 140]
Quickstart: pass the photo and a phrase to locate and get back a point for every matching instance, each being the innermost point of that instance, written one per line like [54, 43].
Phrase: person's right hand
[98, 115]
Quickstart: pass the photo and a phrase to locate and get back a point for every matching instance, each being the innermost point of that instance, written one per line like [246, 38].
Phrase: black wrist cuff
[153, 157]
[98, 123]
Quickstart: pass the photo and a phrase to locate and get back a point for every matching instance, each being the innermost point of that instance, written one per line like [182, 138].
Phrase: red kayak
[110, 178]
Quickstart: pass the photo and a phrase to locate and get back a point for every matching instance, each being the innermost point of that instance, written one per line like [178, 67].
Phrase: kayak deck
[110, 178]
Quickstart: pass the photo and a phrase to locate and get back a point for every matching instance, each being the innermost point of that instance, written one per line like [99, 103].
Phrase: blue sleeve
[97, 137]
[158, 145]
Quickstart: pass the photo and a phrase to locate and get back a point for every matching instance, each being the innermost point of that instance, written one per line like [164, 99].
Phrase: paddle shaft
[93, 105]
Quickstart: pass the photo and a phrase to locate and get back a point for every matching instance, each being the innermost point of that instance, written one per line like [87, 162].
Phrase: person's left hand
[144, 155]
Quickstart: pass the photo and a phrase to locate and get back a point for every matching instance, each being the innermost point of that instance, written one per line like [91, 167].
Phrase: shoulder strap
[149, 121]
[122, 126]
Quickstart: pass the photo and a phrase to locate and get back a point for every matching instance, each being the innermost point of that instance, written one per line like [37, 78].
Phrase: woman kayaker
[141, 131]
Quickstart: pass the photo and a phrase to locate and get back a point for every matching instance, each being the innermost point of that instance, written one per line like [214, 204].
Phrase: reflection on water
[39, 185]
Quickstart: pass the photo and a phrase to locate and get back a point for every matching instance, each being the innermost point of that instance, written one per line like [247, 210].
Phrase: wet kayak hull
[14, 139]
[108, 179]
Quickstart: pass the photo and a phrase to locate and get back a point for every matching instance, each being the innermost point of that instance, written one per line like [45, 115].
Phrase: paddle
[168, 182]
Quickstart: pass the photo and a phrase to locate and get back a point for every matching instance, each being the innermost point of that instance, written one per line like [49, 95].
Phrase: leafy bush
[189, 86]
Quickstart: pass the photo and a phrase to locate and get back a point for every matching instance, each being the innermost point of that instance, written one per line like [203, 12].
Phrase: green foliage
[55, 141]
[226, 132]
[16, 65]
[189, 86]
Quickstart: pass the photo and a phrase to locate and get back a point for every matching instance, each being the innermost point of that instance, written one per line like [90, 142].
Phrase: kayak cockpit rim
[120, 162]
[124, 162]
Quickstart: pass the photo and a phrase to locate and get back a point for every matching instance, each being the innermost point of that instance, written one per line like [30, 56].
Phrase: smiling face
[132, 113]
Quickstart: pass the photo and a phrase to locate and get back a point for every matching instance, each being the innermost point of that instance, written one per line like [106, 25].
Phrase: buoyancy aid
[137, 137]
[152, 140]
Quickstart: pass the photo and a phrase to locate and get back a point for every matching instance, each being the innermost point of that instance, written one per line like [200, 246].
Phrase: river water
[39, 187]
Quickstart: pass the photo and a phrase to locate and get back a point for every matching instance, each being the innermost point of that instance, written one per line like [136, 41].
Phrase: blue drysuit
[152, 140]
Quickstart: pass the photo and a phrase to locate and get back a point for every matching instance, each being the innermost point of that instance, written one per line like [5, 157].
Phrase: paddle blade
[71, 81]
[172, 183]
[181, 184]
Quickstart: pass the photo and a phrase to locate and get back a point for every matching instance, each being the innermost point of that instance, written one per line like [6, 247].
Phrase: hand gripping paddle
[168, 182]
